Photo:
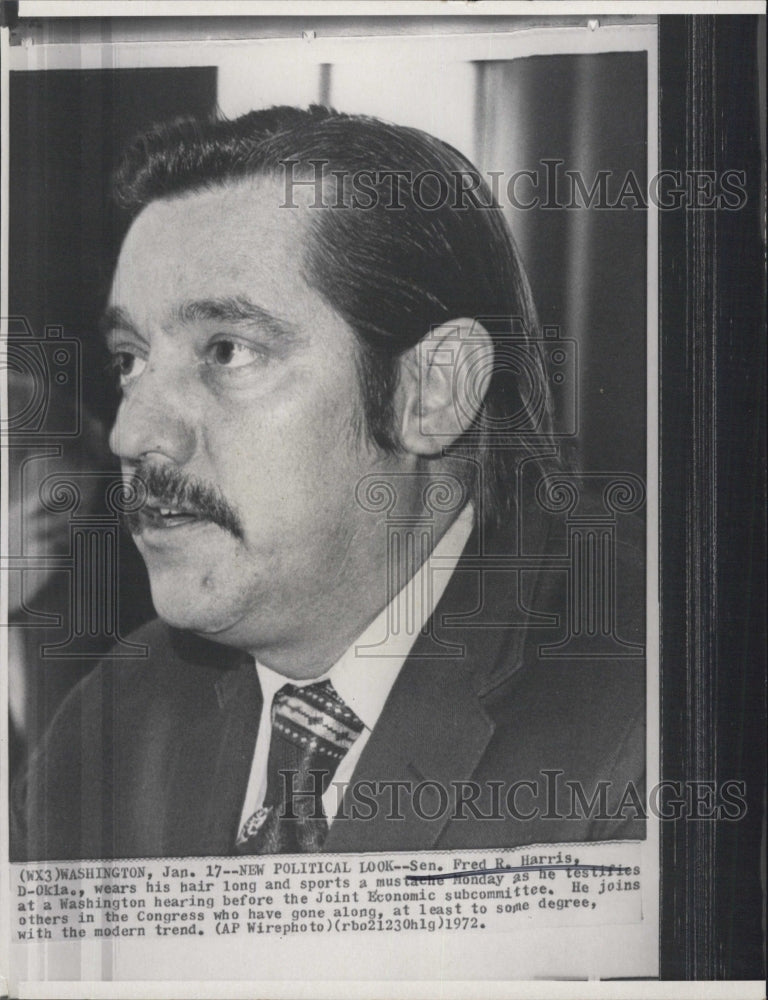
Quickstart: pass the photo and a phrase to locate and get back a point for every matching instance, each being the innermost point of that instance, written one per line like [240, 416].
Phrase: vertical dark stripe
[712, 309]
[324, 84]
[479, 134]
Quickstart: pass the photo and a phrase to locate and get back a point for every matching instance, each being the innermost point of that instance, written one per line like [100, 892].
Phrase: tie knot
[316, 719]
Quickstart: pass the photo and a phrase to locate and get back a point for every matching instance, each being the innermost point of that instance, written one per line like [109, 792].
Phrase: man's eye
[231, 354]
[127, 366]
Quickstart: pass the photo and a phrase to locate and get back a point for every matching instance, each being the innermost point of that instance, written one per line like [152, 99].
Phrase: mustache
[169, 487]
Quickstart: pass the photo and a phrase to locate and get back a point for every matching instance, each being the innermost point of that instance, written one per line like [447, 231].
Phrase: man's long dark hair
[405, 238]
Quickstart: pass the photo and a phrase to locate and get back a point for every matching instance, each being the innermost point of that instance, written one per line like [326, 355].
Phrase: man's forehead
[233, 254]
[241, 212]
[213, 241]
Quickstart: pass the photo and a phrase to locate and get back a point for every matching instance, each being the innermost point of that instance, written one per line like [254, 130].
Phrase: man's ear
[443, 382]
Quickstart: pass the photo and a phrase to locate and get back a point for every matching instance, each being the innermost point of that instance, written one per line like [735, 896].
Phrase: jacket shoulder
[111, 740]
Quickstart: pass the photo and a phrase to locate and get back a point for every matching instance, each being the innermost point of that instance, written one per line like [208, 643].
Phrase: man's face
[240, 409]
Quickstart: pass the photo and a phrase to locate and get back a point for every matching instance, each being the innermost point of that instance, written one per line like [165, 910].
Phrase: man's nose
[153, 419]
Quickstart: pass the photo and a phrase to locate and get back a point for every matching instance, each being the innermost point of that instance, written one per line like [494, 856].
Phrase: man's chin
[193, 608]
[216, 590]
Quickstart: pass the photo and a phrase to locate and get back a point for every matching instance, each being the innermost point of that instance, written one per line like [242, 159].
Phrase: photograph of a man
[322, 456]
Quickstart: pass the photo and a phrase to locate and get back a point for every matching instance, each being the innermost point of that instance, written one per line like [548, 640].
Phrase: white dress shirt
[365, 673]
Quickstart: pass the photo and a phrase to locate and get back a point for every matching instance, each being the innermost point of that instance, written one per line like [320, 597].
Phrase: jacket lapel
[441, 746]
[433, 730]
[212, 759]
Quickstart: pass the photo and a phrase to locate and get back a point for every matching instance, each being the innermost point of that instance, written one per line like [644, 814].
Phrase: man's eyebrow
[236, 309]
[114, 318]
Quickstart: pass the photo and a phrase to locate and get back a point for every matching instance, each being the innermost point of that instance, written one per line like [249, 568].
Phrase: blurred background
[515, 96]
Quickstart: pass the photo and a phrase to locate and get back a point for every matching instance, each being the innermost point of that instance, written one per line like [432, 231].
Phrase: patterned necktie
[312, 730]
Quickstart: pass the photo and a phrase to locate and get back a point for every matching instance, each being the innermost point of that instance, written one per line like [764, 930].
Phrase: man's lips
[155, 515]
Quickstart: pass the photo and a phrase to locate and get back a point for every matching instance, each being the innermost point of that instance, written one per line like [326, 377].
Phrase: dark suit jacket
[150, 758]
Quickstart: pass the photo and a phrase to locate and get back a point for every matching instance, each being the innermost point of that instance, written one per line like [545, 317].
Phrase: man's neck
[410, 548]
